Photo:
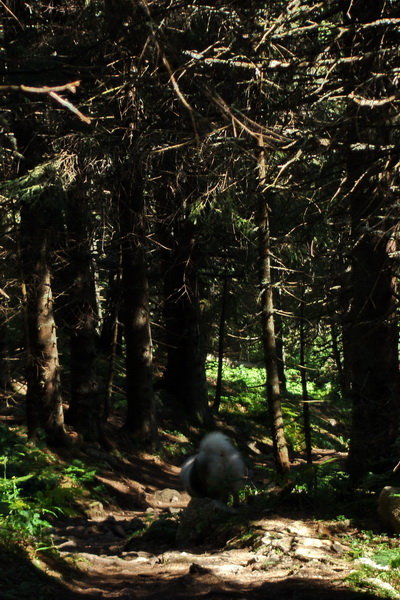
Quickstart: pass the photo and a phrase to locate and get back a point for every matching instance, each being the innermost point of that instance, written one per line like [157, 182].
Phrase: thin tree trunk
[303, 375]
[4, 346]
[345, 324]
[113, 307]
[347, 373]
[113, 345]
[281, 454]
[337, 357]
[111, 372]
[280, 343]
[221, 340]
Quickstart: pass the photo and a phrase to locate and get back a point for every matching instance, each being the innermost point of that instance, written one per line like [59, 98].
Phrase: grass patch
[244, 403]
[377, 564]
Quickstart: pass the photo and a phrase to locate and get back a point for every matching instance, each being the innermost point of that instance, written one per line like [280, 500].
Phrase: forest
[195, 193]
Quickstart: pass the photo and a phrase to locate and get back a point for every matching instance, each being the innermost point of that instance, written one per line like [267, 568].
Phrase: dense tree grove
[224, 180]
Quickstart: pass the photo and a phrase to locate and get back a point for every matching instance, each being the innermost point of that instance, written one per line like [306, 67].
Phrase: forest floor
[284, 552]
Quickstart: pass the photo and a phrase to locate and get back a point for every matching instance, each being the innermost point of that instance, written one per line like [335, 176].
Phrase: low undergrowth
[376, 560]
[37, 487]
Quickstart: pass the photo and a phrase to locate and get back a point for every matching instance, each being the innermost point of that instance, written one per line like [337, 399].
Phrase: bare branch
[371, 102]
[11, 13]
[4, 294]
[52, 92]
[70, 106]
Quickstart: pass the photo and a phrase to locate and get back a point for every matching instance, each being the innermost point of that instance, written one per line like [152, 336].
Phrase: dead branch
[51, 91]
[370, 102]
[4, 294]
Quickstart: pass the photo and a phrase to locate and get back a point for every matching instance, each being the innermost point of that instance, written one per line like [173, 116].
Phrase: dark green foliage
[190, 89]
[30, 487]
[387, 557]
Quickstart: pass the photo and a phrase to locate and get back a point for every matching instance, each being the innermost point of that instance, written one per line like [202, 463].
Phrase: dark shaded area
[197, 583]
[21, 580]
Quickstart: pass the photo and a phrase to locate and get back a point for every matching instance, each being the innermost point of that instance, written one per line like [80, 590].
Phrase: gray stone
[200, 519]
[306, 553]
[389, 508]
[166, 496]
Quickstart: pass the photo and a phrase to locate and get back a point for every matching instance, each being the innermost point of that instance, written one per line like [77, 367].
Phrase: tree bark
[337, 356]
[280, 343]
[303, 376]
[85, 407]
[140, 418]
[374, 341]
[4, 348]
[373, 323]
[184, 375]
[111, 333]
[221, 340]
[43, 400]
[281, 454]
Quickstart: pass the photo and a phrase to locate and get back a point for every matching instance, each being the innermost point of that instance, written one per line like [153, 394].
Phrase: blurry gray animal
[216, 472]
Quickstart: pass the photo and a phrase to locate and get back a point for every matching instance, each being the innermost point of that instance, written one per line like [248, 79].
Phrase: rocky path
[276, 557]
[261, 554]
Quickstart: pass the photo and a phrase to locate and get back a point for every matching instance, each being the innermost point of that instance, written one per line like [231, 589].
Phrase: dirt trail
[286, 558]
[270, 555]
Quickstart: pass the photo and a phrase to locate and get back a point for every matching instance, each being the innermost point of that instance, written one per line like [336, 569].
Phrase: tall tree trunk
[43, 400]
[85, 408]
[373, 331]
[337, 356]
[280, 342]
[374, 340]
[4, 349]
[281, 454]
[112, 309]
[4, 313]
[184, 375]
[140, 417]
[111, 337]
[345, 324]
[303, 376]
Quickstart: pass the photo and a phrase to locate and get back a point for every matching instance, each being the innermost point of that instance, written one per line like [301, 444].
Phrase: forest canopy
[184, 180]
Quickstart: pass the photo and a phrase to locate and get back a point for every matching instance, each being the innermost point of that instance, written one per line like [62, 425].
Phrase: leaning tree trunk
[43, 400]
[85, 408]
[281, 454]
[140, 417]
[370, 172]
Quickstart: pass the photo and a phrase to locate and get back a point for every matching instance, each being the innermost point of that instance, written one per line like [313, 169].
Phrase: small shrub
[30, 487]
